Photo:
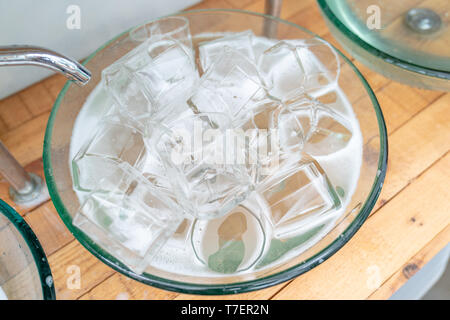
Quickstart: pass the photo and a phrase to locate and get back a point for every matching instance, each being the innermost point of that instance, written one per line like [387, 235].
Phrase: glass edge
[40, 259]
[421, 70]
[238, 287]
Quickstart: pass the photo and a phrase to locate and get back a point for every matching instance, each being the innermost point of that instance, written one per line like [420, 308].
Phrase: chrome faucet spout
[24, 187]
[21, 55]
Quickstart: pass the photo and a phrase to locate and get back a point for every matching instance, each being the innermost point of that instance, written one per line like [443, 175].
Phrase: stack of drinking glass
[206, 141]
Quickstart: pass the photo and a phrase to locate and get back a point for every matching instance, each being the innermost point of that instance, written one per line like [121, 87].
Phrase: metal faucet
[19, 55]
[273, 8]
[26, 187]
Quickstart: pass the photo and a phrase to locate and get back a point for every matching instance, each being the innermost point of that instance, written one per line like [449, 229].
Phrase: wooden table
[408, 226]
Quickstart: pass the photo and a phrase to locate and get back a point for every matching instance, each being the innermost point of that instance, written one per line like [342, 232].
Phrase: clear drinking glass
[175, 27]
[24, 270]
[203, 24]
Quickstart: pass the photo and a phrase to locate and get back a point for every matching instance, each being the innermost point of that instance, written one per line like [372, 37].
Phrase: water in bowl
[229, 218]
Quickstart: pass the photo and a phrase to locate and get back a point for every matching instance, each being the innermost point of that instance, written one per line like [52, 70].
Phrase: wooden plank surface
[384, 242]
[412, 266]
[408, 226]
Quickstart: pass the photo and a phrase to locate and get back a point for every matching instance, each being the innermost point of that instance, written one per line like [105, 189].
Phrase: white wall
[44, 23]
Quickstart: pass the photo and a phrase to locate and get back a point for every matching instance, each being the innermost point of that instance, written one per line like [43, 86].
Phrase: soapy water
[185, 252]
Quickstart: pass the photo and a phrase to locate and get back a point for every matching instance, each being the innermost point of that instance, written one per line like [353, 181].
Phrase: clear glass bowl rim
[227, 288]
[412, 67]
[40, 259]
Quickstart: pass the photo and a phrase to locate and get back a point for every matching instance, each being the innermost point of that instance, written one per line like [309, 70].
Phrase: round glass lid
[410, 34]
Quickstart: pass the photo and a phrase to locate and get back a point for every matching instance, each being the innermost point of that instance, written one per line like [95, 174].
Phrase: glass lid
[411, 34]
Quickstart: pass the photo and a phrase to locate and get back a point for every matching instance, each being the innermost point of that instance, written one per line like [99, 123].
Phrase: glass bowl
[24, 270]
[372, 172]
[406, 41]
